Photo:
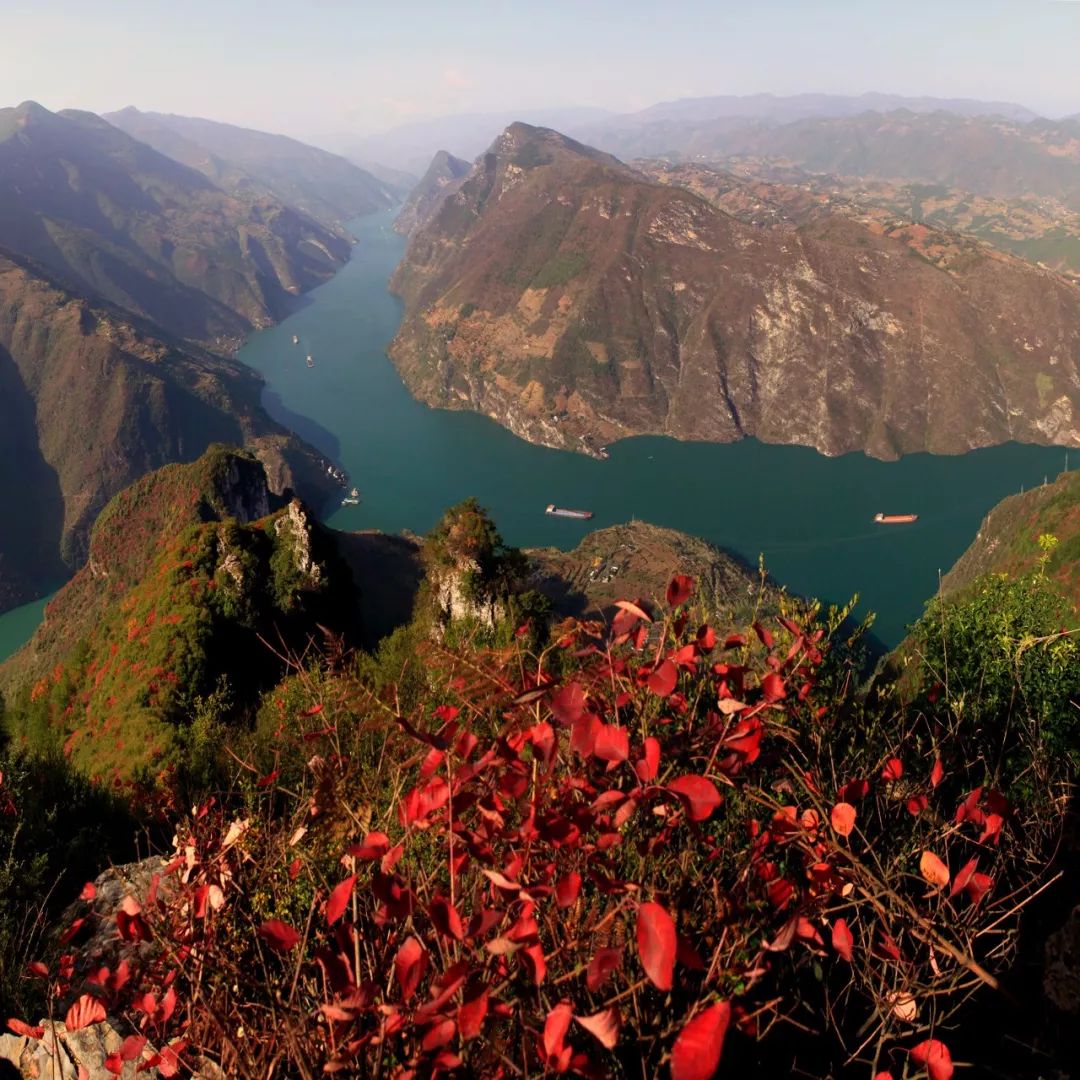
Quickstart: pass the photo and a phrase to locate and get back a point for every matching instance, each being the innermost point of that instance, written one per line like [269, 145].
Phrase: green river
[809, 515]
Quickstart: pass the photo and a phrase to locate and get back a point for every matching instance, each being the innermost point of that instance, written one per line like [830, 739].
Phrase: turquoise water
[18, 625]
[809, 515]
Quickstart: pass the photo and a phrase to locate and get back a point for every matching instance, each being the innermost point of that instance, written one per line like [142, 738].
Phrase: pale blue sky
[311, 67]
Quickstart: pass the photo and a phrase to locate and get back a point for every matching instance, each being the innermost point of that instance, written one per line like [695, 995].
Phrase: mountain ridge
[571, 298]
[323, 185]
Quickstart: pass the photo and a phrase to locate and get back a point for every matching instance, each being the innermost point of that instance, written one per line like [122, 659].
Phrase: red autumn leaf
[20, 1027]
[439, 1034]
[854, 790]
[129, 922]
[89, 891]
[375, 846]
[657, 943]
[772, 687]
[603, 1025]
[894, 769]
[842, 940]
[280, 936]
[697, 1050]
[662, 681]
[933, 870]
[679, 590]
[764, 635]
[603, 963]
[636, 610]
[933, 1055]
[86, 1010]
[978, 886]
[533, 959]
[132, 1047]
[649, 765]
[842, 817]
[963, 875]
[471, 1015]
[37, 969]
[612, 743]
[114, 1063]
[71, 931]
[992, 829]
[567, 889]
[700, 795]
[937, 773]
[339, 899]
[313, 711]
[556, 1052]
[409, 967]
[446, 918]
[916, 805]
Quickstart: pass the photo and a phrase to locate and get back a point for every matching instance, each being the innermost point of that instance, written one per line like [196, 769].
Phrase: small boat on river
[295, 339]
[895, 519]
[310, 360]
[352, 499]
[558, 511]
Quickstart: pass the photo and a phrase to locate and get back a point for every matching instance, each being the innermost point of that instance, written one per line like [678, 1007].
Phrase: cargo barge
[558, 511]
[895, 519]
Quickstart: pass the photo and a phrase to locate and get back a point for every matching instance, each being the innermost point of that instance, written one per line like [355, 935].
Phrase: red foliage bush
[608, 854]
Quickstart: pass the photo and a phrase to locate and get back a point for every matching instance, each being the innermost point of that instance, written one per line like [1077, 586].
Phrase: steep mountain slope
[245, 162]
[1008, 539]
[115, 219]
[90, 399]
[577, 302]
[186, 569]
[443, 177]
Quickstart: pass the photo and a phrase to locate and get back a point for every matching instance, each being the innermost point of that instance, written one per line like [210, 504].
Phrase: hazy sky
[310, 67]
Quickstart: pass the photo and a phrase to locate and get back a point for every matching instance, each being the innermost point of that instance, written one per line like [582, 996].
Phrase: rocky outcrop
[456, 597]
[444, 176]
[576, 302]
[294, 528]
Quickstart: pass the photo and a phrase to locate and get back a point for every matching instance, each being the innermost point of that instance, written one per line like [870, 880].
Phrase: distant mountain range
[784, 110]
[113, 218]
[254, 163]
[654, 130]
[577, 301]
[985, 154]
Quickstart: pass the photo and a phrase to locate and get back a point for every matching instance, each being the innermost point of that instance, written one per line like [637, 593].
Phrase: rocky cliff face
[576, 302]
[116, 220]
[444, 176]
[93, 399]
